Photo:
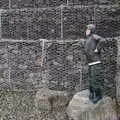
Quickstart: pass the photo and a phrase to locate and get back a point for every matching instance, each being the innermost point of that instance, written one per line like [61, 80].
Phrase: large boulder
[80, 108]
[51, 105]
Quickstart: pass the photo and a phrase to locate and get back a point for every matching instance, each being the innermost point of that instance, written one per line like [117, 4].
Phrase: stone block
[63, 65]
[14, 24]
[81, 2]
[45, 24]
[22, 4]
[49, 24]
[4, 4]
[24, 55]
[90, 2]
[36, 3]
[26, 79]
[74, 21]
[49, 3]
[25, 62]
[3, 55]
[109, 58]
[4, 78]
[107, 21]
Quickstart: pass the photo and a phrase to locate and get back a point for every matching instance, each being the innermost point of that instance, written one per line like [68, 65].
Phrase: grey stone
[4, 4]
[36, 3]
[33, 24]
[64, 72]
[89, 2]
[44, 24]
[4, 79]
[3, 55]
[52, 104]
[74, 21]
[80, 108]
[14, 24]
[22, 55]
[70, 74]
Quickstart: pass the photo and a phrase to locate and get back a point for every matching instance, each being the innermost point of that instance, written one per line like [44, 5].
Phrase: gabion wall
[59, 65]
[42, 42]
[55, 19]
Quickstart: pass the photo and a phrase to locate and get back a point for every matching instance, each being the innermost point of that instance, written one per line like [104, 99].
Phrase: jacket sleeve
[100, 43]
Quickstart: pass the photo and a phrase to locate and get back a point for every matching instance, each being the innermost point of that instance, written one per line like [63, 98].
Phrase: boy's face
[88, 32]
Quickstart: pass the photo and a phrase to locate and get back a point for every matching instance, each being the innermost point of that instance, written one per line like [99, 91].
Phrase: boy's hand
[96, 50]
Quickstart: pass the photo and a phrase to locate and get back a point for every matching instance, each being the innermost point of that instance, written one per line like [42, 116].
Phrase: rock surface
[80, 108]
[51, 105]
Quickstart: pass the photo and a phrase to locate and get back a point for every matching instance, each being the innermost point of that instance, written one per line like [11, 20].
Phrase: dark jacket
[94, 41]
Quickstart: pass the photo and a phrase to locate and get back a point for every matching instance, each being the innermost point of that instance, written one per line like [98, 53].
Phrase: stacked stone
[62, 23]
[47, 19]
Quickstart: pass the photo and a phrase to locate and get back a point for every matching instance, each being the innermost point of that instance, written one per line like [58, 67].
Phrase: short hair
[91, 27]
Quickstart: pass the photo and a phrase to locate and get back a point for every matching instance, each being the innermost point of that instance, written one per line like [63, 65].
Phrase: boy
[93, 47]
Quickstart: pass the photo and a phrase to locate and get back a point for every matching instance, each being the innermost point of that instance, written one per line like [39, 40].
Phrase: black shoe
[95, 100]
[98, 96]
[91, 96]
[91, 93]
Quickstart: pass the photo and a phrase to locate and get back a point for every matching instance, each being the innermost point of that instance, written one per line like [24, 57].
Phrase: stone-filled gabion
[4, 4]
[64, 70]
[60, 65]
[22, 55]
[107, 19]
[66, 22]
[31, 24]
[44, 23]
[66, 65]
[74, 21]
[109, 58]
[3, 55]
[4, 78]
[20, 4]
[36, 3]
[25, 61]
[21, 62]
[90, 2]
[14, 24]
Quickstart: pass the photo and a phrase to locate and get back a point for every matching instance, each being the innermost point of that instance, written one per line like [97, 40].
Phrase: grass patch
[17, 105]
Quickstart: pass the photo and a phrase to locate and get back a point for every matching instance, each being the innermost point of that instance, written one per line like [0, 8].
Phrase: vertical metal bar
[42, 62]
[43, 52]
[0, 24]
[81, 70]
[95, 22]
[27, 20]
[9, 69]
[67, 2]
[9, 4]
[9, 77]
[61, 22]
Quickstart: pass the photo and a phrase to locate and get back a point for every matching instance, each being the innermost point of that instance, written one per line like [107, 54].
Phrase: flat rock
[80, 108]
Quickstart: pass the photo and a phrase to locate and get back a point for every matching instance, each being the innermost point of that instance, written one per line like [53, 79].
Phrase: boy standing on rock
[93, 47]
